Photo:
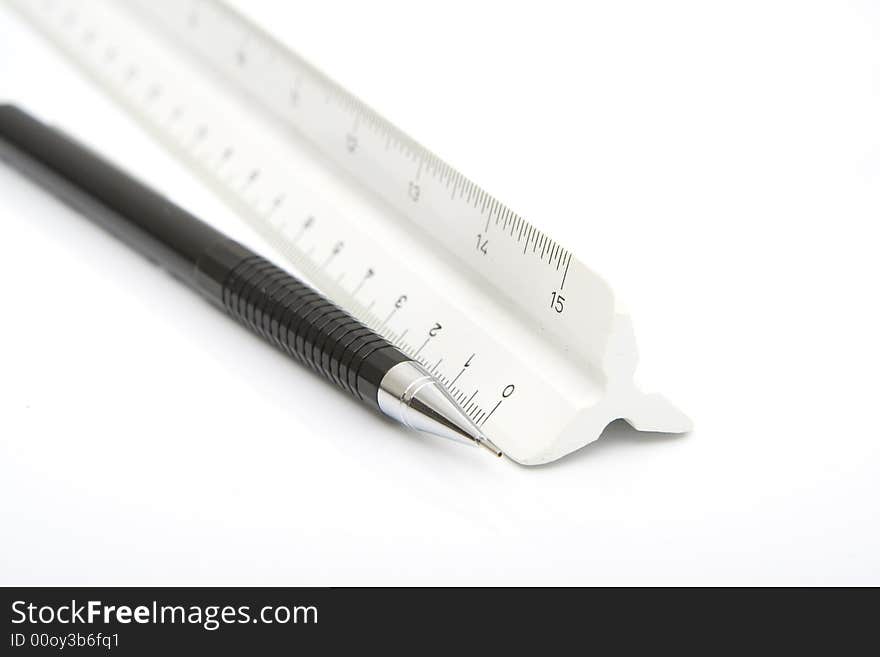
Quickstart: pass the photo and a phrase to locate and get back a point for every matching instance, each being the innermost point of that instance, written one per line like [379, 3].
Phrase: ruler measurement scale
[422, 187]
[472, 340]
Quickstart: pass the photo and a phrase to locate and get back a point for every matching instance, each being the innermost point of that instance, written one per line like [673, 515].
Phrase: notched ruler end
[621, 400]
[527, 339]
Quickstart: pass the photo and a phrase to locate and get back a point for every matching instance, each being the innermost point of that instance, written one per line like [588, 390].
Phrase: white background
[718, 162]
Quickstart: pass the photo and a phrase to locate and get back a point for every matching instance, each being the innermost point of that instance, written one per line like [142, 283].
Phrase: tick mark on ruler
[427, 340]
[472, 396]
[358, 287]
[333, 253]
[492, 411]
[276, 203]
[308, 223]
[390, 315]
[565, 273]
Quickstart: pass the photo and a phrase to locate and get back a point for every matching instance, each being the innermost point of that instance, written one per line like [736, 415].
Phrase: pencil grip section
[297, 319]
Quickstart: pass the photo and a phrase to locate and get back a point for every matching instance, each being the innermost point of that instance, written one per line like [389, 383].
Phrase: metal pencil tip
[488, 444]
[411, 395]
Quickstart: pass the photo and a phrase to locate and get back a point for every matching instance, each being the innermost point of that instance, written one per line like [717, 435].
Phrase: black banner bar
[151, 621]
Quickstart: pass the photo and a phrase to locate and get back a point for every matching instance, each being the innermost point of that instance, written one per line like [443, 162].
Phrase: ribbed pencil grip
[297, 319]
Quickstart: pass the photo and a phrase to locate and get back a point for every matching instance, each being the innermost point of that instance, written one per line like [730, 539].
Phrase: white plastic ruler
[526, 338]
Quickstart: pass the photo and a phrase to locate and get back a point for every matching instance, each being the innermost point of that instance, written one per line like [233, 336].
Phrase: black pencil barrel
[272, 303]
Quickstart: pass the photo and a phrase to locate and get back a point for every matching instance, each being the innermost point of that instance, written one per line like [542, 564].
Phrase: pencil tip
[488, 444]
[411, 395]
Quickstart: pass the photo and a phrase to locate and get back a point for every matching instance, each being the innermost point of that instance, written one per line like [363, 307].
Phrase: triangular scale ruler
[524, 336]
